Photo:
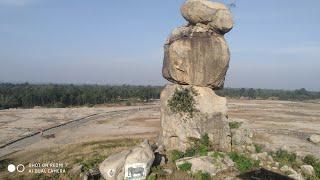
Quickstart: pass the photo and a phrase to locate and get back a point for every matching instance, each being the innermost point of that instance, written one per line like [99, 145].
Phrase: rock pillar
[196, 60]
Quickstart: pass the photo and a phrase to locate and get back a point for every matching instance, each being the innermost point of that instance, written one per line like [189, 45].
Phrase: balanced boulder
[196, 55]
[214, 14]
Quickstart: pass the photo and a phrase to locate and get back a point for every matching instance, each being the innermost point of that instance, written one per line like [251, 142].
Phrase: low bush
[185, 166]
[199, 146]
[152, 177]
[235, 125]
[314, 162]
[217, 155]
[258, 148]
[183, 101]
[243, 163]
[202, 176]
[158, 170]
[175, 155]
[190, 152]
[286, 158]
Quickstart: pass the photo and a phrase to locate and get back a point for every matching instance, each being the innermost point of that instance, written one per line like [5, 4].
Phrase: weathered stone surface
[140, 157]
[133, 163]
[241, 139]
[207, 164]
[307, 170]
[113, 167]
[315, 138]
[210, 119]
[215, 14]
[196, 56]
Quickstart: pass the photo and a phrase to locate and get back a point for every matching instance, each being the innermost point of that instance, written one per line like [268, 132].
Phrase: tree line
[250, 93]
[65, 95]
[54, 95]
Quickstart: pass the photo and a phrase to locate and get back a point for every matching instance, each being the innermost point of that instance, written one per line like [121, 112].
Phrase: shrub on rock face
[200, 146]
[314, 162]
[185, 166]
[243, 163]
[152, 177]
[175, 155]
[258, 148]
[285, 157]
[234, 125]
[183, 101]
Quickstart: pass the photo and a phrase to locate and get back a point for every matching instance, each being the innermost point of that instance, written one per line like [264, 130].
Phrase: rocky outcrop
[209, 118]
[132, 164]
[216, 15]
[196, 56]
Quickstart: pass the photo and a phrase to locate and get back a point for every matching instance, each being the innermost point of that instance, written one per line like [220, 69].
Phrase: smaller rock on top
[214, 14]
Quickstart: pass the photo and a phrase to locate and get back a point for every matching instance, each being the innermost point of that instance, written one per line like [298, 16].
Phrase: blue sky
[274, 44]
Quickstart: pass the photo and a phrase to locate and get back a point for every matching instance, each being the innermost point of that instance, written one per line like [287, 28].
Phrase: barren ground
[275, 123]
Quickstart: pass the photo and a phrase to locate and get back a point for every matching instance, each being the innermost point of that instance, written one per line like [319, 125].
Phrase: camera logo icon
[12, 168]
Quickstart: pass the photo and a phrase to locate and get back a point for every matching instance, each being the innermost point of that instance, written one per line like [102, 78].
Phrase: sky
[274, 44]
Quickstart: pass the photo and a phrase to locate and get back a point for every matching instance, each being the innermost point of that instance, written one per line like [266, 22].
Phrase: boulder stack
[196, 59]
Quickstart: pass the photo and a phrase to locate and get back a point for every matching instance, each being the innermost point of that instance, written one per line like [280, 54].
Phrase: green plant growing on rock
[175, 155]
[185, 166]
[200, 146]
[258, 148]
[190, 152]
[243, 163]
[216, 155]
[235, 125]
[183, 101]
[202, 176]
[152, 177]
[286, 158]
[158, 170]
[314, 162]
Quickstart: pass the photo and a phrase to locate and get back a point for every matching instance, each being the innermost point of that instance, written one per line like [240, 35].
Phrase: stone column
[196, 60]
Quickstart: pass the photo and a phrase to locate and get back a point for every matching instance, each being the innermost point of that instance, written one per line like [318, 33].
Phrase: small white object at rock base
[284, 168]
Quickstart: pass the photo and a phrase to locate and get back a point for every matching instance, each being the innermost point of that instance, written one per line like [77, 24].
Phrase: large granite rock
[195, 55]
[139, 161]
[132, 164]
[209, 118]
[215, 14]
[113, 167]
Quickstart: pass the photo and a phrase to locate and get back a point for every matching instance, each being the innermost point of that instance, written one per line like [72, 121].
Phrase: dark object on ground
[93, 174]
[49, 136]
[262, 174]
